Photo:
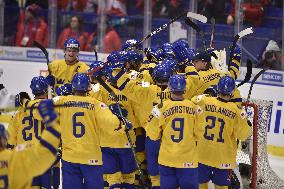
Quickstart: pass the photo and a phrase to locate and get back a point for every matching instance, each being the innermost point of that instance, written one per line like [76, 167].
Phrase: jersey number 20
[31, 123]
[178, 125]
[78, 127]
[212, 119]
[4, 180]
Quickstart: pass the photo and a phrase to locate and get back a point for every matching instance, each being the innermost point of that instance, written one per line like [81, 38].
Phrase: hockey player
[81, 121]
[175, 122]
[119, 164]
[26, 128]
[131, 44]
[19, 166]
[202, 76]
[147, 95]
[224, 123]
[62, 71]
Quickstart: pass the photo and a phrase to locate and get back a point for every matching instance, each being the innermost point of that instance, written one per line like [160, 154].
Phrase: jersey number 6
[178, 125]
[4, 180]
[78, 127]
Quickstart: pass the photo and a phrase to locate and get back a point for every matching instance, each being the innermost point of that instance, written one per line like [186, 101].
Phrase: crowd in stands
[29, 20]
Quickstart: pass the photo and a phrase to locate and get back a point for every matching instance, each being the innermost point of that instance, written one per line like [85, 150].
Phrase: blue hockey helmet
[226, 85]
[131, 57]
[39, 85]
[177, 83]
[72, 43]
[168, 50]
[162, 72]
[80, 82]
[172, 64]
[204, 56]
[183, 53]
[154, 54]
[99, 65]
[131, 43]
[114, 60]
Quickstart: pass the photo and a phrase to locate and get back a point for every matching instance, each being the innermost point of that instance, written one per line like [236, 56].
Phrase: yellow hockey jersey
[18, 167]
[145, 94]
[116, 139]
[198, 82]
[26, 126]
[223, 123]
[64, 73]
[175, 123]
[80, 122]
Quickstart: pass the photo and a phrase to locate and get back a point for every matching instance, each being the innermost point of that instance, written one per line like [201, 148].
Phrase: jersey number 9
[178, 125]
[212, 119]
[78, 127]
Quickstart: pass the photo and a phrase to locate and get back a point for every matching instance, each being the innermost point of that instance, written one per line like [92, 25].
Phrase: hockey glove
[19, 98]
[121, 115]
[114, 108]
[47, 111]
[50, 80]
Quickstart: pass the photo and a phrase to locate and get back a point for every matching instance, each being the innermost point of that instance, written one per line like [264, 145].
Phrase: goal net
[254, 151]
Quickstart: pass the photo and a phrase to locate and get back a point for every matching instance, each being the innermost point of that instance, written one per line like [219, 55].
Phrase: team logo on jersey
[156, 112]
[103, 105]
[199, 97]
[225, 166]
[145, 84]
[20, 147]
[133, 75]
[96, 87]
[243, 114]
[199, 110]
[188, 165]
[93, 162]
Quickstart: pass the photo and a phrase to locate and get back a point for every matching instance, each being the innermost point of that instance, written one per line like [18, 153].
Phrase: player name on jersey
[164, 95]
[3, 164]
[178, 109]
[211, 77]
[85, 105]
[224, 111]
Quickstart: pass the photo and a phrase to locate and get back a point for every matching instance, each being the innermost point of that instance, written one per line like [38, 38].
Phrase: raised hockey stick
[253, 81]
[194, 26]
[154, 32]
[44, 51]
[142, 180]
[248, 74]
[240, 35]
[212, 31]
[199, 31]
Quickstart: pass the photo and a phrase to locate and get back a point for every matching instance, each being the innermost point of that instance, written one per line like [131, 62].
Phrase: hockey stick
[253, 81]
[201, 33]
[142, 181]
[248, 74]
[157, 30]
[44, 51]
[212, 31]
[197, 29]
[241, 34]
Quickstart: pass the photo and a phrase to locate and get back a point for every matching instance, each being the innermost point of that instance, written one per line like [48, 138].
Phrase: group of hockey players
[183, 116]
